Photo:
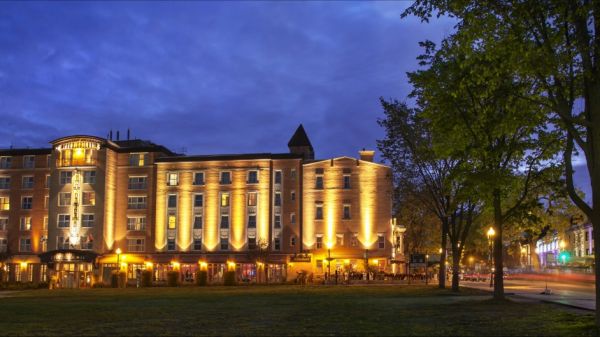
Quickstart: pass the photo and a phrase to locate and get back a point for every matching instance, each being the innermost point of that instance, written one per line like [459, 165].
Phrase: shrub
[146, 278]
[229, 278]
[173, 278]
[114, 280]
[201, 277]
[43, 285]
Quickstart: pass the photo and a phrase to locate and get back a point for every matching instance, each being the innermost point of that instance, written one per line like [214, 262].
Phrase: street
[566, 292]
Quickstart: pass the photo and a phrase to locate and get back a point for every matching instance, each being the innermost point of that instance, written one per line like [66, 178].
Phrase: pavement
[580, 295]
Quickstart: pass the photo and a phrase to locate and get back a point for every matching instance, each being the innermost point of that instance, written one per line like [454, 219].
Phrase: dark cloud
[213, 77]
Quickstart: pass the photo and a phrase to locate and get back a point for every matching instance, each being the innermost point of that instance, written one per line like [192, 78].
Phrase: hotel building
[88, 206]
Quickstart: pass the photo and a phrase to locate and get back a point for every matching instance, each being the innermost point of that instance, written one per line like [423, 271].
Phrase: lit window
[380, 241]
[136, 223]
[252, 199]
[225, 177]
[252, 177]
[89, 198]
[25, 224]
[65, 177]
[198, 200]
[27, 182]
[172, 221]
[89, 177]
[339, 239]
[5, 162]
[138, 159]
[346, 211]
[172, 179]
[319, 212]
[26, 202]
[319, 241]
[4, 183]
[199, 178]
[277, 223]
[136, 245]
[225, 200]
[319, 183]
[64, 220]
[224, 221]
[87, 220]
[172, 201]
[28, 161]
[4, 203]
[64, 199]
[277, 177]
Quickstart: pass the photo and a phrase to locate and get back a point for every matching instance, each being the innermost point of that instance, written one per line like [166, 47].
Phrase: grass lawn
[281, 310]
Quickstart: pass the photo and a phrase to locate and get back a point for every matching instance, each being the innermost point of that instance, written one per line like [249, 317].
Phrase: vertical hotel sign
[74, 235]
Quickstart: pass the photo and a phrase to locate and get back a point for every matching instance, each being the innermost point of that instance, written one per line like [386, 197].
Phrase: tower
[300, 144]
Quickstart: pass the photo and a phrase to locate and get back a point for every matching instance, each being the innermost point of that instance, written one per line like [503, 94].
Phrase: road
[575, 294]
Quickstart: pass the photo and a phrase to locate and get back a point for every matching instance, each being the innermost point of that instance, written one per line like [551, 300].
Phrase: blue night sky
[210, 77]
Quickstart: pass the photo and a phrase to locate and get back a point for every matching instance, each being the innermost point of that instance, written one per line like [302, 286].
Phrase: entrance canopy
[68, 255]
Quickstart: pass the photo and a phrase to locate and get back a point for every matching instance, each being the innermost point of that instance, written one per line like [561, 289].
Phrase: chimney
[366, 155]
[110, 134]
[128, 133]
[117, 134]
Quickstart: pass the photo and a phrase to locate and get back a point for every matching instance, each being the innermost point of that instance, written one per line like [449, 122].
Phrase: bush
[114, 280]
[146, 278]
[229, 278]
[43, 285]
[98, 285]
[201, 277]
[173, 278]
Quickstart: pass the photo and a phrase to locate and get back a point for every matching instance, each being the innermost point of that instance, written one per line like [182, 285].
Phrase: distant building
[67, 211]
[577, 241]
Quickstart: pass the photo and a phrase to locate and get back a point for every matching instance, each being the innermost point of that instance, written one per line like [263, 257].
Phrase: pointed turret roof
[300, 138]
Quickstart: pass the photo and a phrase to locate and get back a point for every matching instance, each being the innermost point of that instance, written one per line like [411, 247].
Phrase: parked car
[476, 277]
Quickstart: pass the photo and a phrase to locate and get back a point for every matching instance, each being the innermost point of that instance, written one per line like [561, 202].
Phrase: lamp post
[490, 235]
[118, 251]
[328, 261]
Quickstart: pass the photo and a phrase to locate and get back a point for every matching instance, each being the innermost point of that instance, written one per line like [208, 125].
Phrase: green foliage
[146, 278]
[229, 278]
[173, 278]
[201, 277]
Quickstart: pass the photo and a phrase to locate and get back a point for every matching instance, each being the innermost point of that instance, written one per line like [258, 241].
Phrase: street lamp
[490, 234]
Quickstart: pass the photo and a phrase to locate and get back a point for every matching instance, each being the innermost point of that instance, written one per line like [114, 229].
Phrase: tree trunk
[442, 274]
[455, 269]
[498, 258]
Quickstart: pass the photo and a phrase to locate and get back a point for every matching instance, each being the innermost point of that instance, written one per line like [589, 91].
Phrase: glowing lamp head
[491, 232]
[203, 265]
[23, 264]
[329, 245]
[231, 265]
[471, 259]
[441, 250]
[562, 244]
[118, 251]
[375, 261]
[149, 265]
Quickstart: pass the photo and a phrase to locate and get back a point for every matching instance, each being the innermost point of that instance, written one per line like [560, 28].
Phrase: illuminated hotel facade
[88, 206]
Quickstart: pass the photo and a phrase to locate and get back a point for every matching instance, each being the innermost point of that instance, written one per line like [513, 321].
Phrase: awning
[68, 255]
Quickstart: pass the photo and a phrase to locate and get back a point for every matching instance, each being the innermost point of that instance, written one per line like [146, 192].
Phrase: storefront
[70, 268]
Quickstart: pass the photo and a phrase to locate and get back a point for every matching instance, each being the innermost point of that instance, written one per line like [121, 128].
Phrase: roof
[140, 145]
[24, 151]
[300, 138]
[215, 157]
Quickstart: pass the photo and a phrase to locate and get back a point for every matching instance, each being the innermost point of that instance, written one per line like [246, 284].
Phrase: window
[137, 223]
[46, 201]
[252, 177]
[224, 199]
[293, 174]
[225, 178]
[5, 162]
[65, 177]
[252, 198]
[277, 223]
[224, 221]
[4, 203]
[251, 243]
[171, 244]
[3, 224]
[293, 218]
[197, 244]
[198, 221]
[252, 221]
[339, 239]
[199, 178]
[172, 179]
[277, 244]
[319, 183]
[4, 183]
[319, 212]
[25, 224]
[277, 177]
[136, 202]
[64, 199]
[136, 245]
[171, 221]
[277, 199]
[28, 161]
[293, 195]
[346, 182]
[47, 181]
[319, 264]
[64, 220]
[380, 241]
[62, 242]
[346, 211]
[45, 224]
[26, 202]
[354, 240]
[48, 161]
[137, 183]
[292, 241]
[319, 241]
[224, 244]
[88, 198]
[27, 182]
[198, 200]
[172, 201]
[3, 245]
[86, 242]
[138, 159]
[25, 244]
[89, 177]
[87, 220]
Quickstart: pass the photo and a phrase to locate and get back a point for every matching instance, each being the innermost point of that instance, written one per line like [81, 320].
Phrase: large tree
[556, 43]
